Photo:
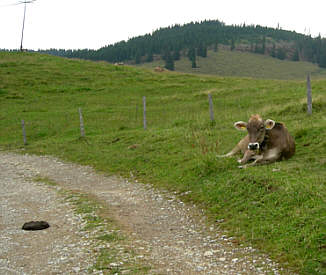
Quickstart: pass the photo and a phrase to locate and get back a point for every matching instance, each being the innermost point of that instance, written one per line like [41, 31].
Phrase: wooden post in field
[211, 107]
[24, 132]
[82, 129]
[144, 104]
[309, 97]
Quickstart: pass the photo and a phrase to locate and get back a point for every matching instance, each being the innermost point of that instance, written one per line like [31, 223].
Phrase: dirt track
[172, 237]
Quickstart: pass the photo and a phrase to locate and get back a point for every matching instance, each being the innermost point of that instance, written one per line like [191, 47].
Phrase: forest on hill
[195, 38]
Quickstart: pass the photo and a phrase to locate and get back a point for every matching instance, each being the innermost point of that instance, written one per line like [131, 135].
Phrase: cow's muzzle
[253, 146]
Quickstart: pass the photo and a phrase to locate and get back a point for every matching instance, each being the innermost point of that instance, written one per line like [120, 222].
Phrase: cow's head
[256, 128]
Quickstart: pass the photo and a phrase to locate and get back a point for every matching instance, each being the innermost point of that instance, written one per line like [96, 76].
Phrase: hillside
[279, 208]
[244, 64]
[194, 39]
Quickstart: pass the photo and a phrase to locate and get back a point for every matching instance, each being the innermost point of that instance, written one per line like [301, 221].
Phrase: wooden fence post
[211, 107]
[82, 129]
[24, 132]
[144, 113]
[309, 97]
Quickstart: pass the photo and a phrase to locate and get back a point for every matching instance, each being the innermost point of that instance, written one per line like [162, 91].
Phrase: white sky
[77, 24]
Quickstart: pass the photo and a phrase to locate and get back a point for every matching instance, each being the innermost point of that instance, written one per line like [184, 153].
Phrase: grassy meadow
[279, 208]
[244, 64]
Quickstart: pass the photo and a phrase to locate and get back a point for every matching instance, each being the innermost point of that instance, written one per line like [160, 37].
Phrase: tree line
[195, 38]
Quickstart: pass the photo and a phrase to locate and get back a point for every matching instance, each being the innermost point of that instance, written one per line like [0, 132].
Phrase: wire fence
[151, 113]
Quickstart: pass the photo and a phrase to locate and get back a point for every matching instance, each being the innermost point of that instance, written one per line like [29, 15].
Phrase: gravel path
[172, 237]
[60, 248]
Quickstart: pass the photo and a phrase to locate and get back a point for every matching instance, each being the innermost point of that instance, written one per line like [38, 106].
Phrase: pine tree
[216, 47]
[192, 57]
[322, 62]
[150, 57]
[232, 44]
[169, 62]
[193, 63]
[295, 56]
[280, 54]
[137, 58]
[318, 48]
[176, 55]
[263, 48]
[257, 50]
[252, 48]
[192, 54]
[204, 51]
[273, 51]
[322, 59]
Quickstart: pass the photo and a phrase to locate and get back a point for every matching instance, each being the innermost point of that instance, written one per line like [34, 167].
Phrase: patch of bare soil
[172, 237]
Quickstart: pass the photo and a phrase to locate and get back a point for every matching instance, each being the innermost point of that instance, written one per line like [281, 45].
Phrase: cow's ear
[269, 124]
[240, 125]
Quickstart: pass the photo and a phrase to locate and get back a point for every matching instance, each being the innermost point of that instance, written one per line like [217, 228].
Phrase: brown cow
[267, 141]
[159, 69]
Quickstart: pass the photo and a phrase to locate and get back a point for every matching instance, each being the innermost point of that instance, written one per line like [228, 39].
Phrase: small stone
[208, 254]
[222, 259]
[200, 268]
[76, 269]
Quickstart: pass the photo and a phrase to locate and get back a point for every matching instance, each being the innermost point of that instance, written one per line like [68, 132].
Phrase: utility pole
[21, 41]
[24, 2]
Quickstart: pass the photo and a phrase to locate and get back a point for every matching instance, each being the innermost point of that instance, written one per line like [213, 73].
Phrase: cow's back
[279, 137]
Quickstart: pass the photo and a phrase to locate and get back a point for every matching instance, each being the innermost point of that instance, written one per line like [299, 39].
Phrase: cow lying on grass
[267, 141]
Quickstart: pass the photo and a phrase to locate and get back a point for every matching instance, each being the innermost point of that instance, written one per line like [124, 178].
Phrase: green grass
[245, 64]
[279, 208]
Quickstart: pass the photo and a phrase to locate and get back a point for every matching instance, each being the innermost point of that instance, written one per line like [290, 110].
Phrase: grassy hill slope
[279, 208]
[245, 64]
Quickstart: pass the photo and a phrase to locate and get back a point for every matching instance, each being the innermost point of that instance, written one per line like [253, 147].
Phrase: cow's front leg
[267, 158]
[258, 159]
[248, 155]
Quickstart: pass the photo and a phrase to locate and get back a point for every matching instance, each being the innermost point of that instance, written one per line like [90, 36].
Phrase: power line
[15, 4]
[9, 5]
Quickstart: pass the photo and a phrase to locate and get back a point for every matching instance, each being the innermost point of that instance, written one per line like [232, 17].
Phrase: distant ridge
[194, 39]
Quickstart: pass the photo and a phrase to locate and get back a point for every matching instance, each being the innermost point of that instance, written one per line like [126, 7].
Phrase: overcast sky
[74, 24]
